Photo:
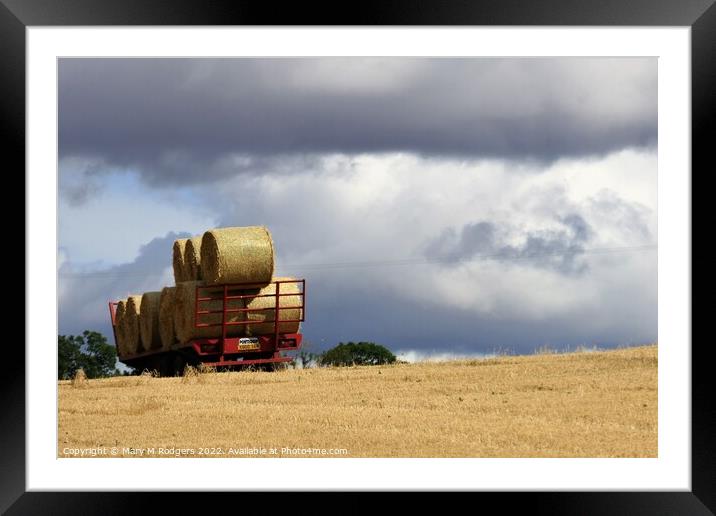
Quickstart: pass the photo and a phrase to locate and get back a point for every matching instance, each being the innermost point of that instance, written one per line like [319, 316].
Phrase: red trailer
[263, 351]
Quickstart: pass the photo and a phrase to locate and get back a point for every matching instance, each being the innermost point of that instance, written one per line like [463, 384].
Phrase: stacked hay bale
[192, 259]
[130, 325]
[237, 255]
[178, 260]
[149, 321]
[167, 332]
[290, 308]
[157, 320]
[185, 305]
[122, 350]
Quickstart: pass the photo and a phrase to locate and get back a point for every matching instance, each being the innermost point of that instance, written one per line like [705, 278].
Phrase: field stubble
[588, 404]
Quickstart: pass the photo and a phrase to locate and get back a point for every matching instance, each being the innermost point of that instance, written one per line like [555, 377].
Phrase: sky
[440, 207]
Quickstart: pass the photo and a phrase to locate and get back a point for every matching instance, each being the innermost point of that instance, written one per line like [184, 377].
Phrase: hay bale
[178, 260]
[192, 259]
[166, 317]
[184, 309]
[79, 380]
[237, 255]
[264, 319]
[119, 328]
[133, 342]
[149, 321]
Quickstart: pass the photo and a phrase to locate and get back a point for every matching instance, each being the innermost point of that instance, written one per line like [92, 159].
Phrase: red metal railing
[226, 294]
[240, 291]
[113, 317]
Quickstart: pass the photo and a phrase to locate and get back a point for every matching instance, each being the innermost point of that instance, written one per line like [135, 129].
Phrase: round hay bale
[166, 317]
[237, 255]
[192, 259]
[149, 321]
[185, 306]
[290, 309]
[178, 260]
[130, 322]
[119, 328]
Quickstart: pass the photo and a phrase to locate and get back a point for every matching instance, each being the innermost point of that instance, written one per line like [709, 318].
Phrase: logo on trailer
[249, 343]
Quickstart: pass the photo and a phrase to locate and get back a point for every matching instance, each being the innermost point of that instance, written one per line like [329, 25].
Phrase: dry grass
[200, 374]
[593, 404]
[79, 380]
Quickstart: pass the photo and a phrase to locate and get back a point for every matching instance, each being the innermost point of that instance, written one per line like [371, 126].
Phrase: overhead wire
[388, 263]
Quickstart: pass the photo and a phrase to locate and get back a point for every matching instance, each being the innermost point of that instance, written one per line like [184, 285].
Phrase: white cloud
[373, 208]
[333, 213]
[414, 356]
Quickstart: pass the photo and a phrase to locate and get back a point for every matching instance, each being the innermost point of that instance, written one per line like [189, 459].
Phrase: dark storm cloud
[185, 121]
[548, 249]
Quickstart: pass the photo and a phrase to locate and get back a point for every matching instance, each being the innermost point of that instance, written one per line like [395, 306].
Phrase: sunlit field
[584, 404]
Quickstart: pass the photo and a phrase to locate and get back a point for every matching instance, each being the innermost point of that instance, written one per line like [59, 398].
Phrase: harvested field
[590, 404]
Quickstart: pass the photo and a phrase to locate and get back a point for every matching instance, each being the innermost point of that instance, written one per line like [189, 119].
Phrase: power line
[474, 258]
[393, 263]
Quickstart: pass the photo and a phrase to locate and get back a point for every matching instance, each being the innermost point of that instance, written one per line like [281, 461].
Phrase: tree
[68, 356]
[89, 351]
[361, 353]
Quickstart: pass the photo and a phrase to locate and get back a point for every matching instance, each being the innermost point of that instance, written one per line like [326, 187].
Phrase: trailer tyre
[179, 365]
[166, 365]
[274, 366]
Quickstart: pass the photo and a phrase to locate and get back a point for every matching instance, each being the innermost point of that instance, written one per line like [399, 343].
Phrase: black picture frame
[700, 15]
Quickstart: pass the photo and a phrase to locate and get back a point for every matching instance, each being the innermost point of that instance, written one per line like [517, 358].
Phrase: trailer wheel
[166, 365]
[179, 364]
[274, 366]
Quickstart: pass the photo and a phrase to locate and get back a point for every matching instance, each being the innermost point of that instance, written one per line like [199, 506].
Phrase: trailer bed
[223, 352]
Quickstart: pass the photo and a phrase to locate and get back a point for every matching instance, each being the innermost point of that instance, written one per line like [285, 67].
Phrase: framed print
[403, 249]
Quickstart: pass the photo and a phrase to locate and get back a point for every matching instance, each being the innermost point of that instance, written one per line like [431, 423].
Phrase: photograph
[357, 257]
[395, 249]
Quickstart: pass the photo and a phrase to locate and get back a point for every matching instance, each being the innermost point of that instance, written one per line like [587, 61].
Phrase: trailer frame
[262, 351]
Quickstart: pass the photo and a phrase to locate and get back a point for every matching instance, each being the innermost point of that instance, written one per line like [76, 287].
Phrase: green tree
[89, 351]
[68, 356]
[361, 353]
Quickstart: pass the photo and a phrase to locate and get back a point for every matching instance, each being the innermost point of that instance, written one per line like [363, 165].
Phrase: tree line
[90, 352]
[98, 359]
[348, 354]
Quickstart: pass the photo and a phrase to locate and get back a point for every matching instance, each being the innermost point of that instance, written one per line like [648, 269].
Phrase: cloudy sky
[437, 206]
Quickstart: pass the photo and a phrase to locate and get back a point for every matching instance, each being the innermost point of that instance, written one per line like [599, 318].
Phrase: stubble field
[589, 404]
